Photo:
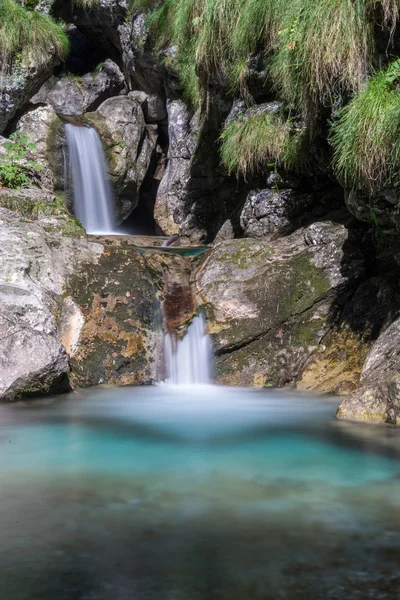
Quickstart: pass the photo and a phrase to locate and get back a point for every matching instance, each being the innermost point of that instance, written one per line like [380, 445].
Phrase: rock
[141, 67]
[114, 303]
[41, 96]
[154, 109]
[194, 198]
[270, 213]
[271, 304]
[226, 232]
[378, 398]
[74, 96]
[129, 145]
[39, 125]
[106, 328]
[99, 23]
[21, 84]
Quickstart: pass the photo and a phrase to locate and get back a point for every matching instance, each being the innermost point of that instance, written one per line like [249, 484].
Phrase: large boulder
[72, 96]
[129, 144]
[51, 318]
[271, 304]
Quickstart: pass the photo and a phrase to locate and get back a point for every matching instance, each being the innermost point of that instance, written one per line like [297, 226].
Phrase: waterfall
[93, 199]
[189, 359]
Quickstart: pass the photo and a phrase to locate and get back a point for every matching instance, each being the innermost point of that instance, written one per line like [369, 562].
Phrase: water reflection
[196, 494]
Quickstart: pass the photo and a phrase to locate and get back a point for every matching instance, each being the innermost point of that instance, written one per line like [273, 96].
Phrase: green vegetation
[366, 135]
[313, 48]
[27, 36]
[16, 167]
[252, 142]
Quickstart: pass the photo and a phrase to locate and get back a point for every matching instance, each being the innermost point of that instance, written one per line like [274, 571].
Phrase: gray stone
[270, 213]
[41, 96]
[75, 96]
[39, 125]
[190, 199]
[129, 145]
[21, 84]
[155, 109]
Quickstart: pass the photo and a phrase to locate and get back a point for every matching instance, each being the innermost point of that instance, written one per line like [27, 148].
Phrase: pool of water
[196, 494]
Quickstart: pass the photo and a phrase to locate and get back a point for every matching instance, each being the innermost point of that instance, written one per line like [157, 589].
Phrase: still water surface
[196, 494]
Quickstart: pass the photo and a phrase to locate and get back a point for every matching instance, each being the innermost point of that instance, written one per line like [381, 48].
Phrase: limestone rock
[19, 85]
[129, 145]
[74, 96]
[65, 301]
[39, 125]
[270, 304]
[194, 196]
[270, 213]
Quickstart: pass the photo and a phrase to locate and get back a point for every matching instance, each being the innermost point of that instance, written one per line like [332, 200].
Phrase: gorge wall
[300, 283]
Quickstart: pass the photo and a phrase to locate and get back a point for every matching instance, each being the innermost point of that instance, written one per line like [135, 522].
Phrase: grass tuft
[27, 36]
[366, 135]
[255, 141]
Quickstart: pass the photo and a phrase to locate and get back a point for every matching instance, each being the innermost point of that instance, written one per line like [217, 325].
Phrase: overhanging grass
[27, 36]
[252, 143]
[366, 136]
[315, 49]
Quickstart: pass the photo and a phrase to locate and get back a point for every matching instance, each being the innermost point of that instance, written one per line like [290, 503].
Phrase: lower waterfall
[189, 359]
[93, 198]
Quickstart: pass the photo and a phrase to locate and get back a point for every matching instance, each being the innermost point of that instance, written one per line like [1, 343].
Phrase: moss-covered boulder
[73, 312]
[114, 303]
[271, 304]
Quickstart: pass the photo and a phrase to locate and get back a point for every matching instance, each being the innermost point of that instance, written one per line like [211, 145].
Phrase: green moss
[308, 284]
[34, 211]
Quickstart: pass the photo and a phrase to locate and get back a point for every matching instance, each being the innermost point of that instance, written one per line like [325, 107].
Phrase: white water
[189, 363]
[93, 198]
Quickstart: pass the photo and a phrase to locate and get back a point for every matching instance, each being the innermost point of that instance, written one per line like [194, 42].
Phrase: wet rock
[129, 145]
[270, 304]
[113, 301]
[74, 96]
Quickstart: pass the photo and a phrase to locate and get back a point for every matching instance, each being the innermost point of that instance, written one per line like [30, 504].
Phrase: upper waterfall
[93, 198]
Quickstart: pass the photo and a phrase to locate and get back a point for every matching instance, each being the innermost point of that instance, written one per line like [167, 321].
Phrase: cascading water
[189, 359]
[93, 199]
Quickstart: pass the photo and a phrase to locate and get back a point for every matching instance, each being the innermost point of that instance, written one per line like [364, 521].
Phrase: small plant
[16, 167]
